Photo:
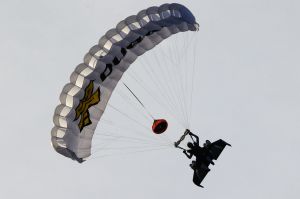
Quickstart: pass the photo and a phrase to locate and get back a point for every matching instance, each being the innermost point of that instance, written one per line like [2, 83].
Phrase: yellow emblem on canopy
[89, 99]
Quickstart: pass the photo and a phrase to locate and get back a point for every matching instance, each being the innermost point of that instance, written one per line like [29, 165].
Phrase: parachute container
[159, 126]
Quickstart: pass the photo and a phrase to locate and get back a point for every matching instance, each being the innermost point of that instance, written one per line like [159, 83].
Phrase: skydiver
[201, 153]
[204, 155]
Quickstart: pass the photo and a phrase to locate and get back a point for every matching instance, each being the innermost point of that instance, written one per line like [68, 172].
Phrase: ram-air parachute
[84, 99]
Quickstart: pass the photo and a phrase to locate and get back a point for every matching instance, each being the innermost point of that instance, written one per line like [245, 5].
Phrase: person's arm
[195, 136]
[190, 155]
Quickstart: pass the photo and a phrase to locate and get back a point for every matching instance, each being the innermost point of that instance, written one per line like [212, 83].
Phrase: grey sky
[247, 94]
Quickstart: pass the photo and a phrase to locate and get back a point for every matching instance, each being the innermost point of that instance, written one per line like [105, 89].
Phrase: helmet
[190, 145]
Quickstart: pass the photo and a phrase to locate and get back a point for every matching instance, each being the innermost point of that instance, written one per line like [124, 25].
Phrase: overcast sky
[247, 93]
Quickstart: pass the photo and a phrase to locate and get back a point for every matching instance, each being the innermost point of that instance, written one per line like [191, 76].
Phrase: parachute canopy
[84, 99]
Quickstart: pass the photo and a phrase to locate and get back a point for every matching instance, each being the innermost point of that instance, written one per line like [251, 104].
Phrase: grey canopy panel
[84, 99]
